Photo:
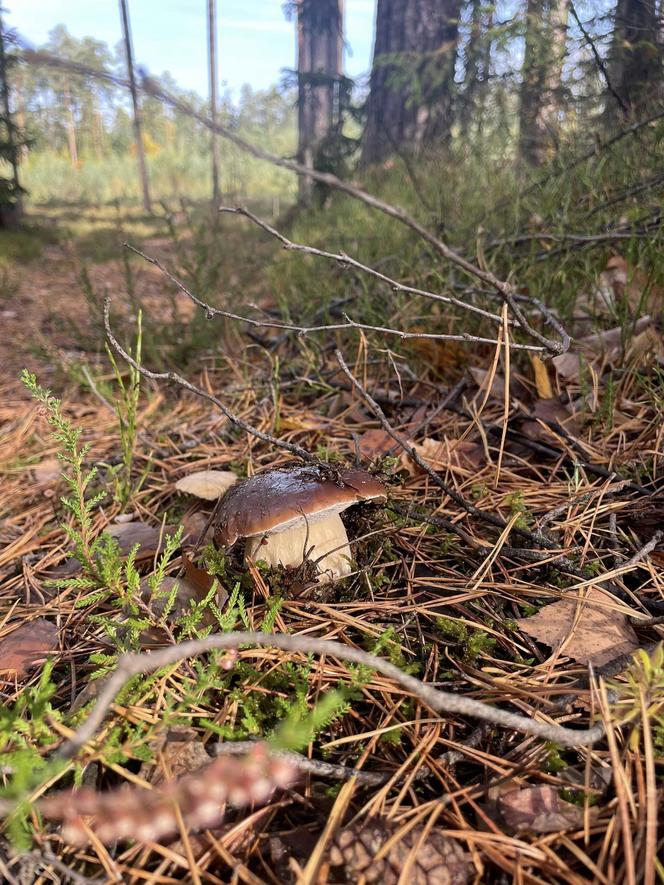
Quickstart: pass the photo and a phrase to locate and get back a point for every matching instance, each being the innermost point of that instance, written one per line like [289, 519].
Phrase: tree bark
[540, 98]
[138, 135]
[13, 213]
[213, 77]
[71, 129]
[412, 76]
[319, 70]
[637, 57]
[477, 69]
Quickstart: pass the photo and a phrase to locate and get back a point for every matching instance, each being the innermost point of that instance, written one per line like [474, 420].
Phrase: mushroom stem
[324, 541]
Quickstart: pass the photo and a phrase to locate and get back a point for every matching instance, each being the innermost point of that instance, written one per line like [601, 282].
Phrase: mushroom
[292, 513]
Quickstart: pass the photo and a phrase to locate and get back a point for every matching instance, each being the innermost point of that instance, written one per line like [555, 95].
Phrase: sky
[255, 40]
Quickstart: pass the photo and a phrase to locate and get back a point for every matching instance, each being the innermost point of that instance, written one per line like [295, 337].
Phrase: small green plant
[72, 454]
[643, 691]
[474, 643]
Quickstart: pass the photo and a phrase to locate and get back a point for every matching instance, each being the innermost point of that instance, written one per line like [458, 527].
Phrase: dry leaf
[441, 454]
[596, 632]
[542, 380]
[375, 443]
[539, 810]
[27, 646]
[150, 539]
[176, 753]
[47, 471]
[194, 524]
[481, 378]
[207, 484]
[552, 411]
[606, 345]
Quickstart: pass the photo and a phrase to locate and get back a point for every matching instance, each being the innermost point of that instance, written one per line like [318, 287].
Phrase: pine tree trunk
[412, 77]
[138, 135]
[540, 99]
[213, 76]
[319, 69]
[11, 213]
[637, 57]
[71, 129]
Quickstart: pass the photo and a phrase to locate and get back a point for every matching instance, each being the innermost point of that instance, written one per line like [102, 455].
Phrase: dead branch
[302, 763]
[296, 450]
[130, 665]
[345, 260]
[303, 331]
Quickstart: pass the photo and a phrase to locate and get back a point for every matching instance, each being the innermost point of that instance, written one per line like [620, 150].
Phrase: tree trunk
[319, 71]
[476, 74]
[13, 210]
[138, 135]
[213, 74]
[71, 129]
[540, 98]
[412, 76]
[636, 60]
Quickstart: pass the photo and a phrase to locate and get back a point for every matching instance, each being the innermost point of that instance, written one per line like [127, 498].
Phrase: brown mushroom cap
[282, 499]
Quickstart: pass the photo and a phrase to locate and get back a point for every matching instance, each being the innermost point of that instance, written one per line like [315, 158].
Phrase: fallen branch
[294, 449]
[130, 665]
[303, 331]
[302, 763]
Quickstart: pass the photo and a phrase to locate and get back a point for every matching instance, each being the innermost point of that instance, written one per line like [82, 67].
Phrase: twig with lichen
[130, 665]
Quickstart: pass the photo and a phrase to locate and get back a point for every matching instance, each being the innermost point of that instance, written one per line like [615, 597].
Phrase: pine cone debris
[439, 859]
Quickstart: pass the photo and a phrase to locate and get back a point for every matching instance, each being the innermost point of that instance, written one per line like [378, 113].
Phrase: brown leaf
[179, 752]
[193, 586]
[606, 345]
[441, 454]
[207, 484]
[591, 628]
[150, 539]
[551, 411]
[539, 810]
[375, 443]
[27, 646]
[194, 525]
[542, 380]
[47, 471]
[481, 378]
[199, 578]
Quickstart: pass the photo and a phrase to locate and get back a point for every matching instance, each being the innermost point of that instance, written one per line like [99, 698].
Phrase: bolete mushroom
[293, 512]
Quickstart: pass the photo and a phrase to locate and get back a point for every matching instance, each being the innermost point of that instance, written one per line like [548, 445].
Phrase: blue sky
[255, 39]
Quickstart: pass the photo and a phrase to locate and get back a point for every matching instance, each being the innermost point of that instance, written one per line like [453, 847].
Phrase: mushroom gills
[325, 538]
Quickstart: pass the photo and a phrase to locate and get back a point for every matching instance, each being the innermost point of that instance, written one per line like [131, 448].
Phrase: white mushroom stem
[324, 541]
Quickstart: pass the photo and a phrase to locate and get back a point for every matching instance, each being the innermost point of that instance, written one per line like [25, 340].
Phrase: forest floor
[535, 554]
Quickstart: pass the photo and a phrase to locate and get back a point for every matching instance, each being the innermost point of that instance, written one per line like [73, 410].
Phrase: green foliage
[643, 690]
[79, 503]
[26, 735]
[474, 643]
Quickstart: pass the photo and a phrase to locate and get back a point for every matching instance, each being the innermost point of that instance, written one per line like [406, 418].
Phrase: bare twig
[598, 58]
[303, 331]
[644, 551]
[311, 766]
[345, 260]
[130, 665]
[296, 450]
